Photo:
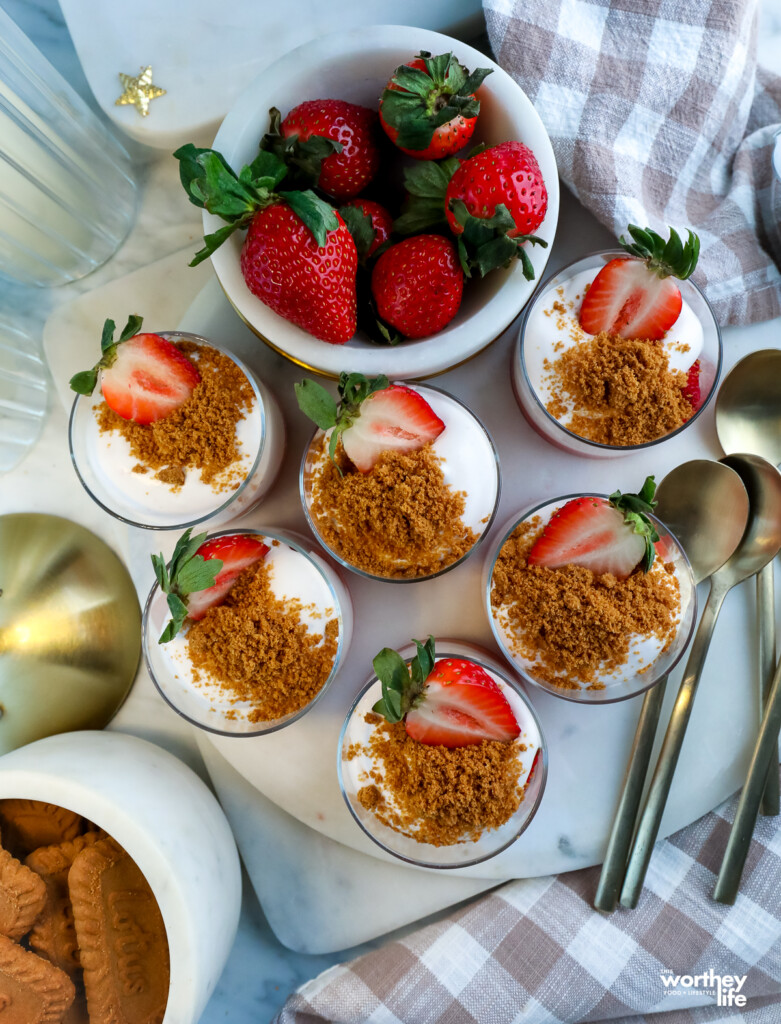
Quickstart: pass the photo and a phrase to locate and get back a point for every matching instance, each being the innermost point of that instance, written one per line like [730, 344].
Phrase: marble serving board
[296, 768]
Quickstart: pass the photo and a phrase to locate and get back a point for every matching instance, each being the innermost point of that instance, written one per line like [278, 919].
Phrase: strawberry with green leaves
[143, 377]
[429, 108]
[371, 417]
[493, 202]
[201, 573]
[613, 535]
[635, 296]
[298, 256]
[453, 702]
[369, 223]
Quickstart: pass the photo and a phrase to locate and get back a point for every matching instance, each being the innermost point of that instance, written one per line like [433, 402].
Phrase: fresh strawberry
[298, 256]
[143, 377]
[691, 389]
[429, 108]
[417, 285]
[634, 296]
[506, 174]
[378, 228]
[311, 285]
[372, 417]
[349, 169]
[201, 573]
[611, 535]
[493, 202]
[449, 703]
[236, 552]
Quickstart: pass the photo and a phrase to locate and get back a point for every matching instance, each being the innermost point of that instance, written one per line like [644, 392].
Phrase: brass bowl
[70, 629]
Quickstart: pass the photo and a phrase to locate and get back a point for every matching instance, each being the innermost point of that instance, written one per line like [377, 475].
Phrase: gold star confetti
[139, 91]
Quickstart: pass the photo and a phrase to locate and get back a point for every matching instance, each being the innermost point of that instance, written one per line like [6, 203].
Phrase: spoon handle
[648, 828]
[765, 751]
[767, 663]
[620, 839]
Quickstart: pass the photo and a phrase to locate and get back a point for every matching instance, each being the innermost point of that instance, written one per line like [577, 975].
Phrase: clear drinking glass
[23, 392]
[67, 199]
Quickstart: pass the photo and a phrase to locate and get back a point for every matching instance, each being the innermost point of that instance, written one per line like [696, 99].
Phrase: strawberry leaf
[316, 403]
[426, 184]
[402, 686]
[360, 226]
[302, 158]
[186, 573]
[636, 509]
[85, 382]
[318, 216]
[485, 245]
[671, 258]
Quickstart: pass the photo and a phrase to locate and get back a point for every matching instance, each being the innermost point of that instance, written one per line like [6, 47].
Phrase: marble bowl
[355, 66]
[170, 824]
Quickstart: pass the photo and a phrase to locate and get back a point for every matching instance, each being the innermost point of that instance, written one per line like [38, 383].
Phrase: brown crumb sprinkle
[200, 434]
[621, 390]
[571, 625]
[440, 795]
[399, 520]
[256, 647]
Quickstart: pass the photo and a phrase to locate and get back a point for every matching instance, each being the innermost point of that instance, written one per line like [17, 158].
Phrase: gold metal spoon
[748, 419]
[70, 629]
[690, 502]
[759, 544]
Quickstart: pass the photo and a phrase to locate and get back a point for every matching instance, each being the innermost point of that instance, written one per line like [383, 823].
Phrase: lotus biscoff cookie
[28, 824]
[121, 937]
[53, 935]
[22, 897]
[32, 991]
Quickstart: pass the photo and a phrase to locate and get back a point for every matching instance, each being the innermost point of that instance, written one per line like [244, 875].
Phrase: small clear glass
[533, 775]
[531, 349]
[301, 573]
[636, 676]
[24, 387]
[67, 197]
[104, 464]
[469, 463]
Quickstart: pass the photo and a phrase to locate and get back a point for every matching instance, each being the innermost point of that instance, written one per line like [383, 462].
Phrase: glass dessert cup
[636, 675]
[469, 463]
[104, 463]
[304, 575]
[535, 344]
[492, 841]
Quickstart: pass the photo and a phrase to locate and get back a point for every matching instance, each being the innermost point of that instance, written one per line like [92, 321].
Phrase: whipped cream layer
[292, 576]
[550, 332]
[355, 772]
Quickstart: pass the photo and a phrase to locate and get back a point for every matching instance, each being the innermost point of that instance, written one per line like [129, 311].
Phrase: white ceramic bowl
[355, 66]
[168, 821]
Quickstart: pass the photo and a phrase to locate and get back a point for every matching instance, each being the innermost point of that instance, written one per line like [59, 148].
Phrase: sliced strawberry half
[635, 296]
[589, 532]
[237, 552]
[148, 378]
[395, 419]
[461, 704]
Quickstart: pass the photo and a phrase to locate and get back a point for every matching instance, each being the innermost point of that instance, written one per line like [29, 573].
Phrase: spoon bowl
[748, 406]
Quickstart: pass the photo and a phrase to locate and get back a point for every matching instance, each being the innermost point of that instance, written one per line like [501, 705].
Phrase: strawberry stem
[636, 509]
[671, 258]
[85, 382]
[402, 686]
[186, 573]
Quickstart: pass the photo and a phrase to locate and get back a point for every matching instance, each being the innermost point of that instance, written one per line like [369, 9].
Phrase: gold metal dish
[70, 629]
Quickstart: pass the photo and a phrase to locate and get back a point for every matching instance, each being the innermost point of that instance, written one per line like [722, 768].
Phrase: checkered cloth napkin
[534, 951]
[659, 116]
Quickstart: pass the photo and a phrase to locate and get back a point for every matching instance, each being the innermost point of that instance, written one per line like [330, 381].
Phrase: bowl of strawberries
[383, 198]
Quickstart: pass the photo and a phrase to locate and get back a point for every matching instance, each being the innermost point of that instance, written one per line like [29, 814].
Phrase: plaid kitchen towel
[534, 951]
[658, 115]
